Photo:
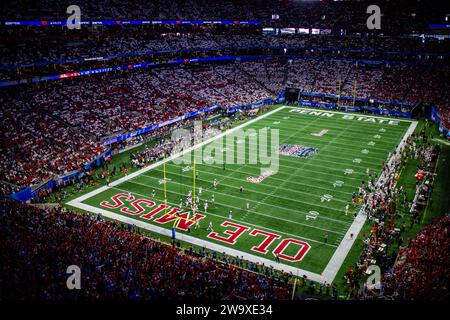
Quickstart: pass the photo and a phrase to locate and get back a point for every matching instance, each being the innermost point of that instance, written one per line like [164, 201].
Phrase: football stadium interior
[224, 150]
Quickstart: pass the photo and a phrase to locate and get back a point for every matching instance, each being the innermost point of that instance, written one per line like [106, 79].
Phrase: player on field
[241, 188]
[206, 205]
[248, 205]
[210, 226]
[153, 193]
[130, 197]
[346, 209]
[200, 191]
[197, 223]
[213, 200]
[215, 183]
[230, 215]
[354, 198]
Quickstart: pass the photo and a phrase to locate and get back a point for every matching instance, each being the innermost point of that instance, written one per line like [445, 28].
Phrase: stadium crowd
[55, 128]
[40, 47]
[421, 270]
[117, 262]
[36, 146]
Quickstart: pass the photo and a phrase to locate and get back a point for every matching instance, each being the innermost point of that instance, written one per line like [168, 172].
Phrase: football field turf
[291, 212]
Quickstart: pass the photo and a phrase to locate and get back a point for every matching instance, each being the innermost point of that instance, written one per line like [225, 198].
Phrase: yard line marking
[295, 161]
[251, 190]
[308, 161]
[335, 144]
[351, 185]
[310, 138]
[390, 138]
[249, 200]
[244, 173]
[292, 135]
[354, 132]
[301, 167]
[314, 171]
[254, 212]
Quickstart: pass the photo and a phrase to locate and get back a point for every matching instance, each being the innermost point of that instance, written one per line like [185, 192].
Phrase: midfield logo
[297, 151]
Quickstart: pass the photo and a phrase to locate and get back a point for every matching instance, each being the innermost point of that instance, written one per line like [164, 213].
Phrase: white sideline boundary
[333, 265]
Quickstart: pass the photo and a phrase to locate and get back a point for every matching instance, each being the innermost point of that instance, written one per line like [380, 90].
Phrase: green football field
[297, 212]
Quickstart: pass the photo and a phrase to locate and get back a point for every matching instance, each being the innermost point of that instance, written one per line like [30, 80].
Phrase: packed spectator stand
[422, 267]
[50, 129]
[117, 262]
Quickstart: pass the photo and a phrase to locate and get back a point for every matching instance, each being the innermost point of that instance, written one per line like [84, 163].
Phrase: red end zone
[147, 209]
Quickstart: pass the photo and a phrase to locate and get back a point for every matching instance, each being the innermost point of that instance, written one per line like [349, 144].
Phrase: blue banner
[438, 26]
[282, 97]
[365, 100]
[250, 105]
[44, 23]
[434, 116]
[23, 195]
